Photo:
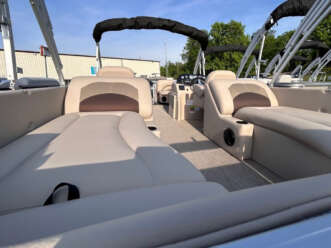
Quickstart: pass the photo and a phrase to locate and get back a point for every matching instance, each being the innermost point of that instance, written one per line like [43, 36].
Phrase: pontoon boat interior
[96, 164]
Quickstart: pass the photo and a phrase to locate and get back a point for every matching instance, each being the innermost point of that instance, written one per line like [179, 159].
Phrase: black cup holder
[242, 122]
[229, 137]
[152, 128]
[164, 99]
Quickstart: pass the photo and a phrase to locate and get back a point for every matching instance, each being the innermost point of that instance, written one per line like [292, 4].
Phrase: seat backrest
[231, 95]
[220, 74]
[164, 85]
[96, 94]
[115, 72]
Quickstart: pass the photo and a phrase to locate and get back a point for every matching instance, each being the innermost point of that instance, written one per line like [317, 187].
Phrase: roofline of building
[90, 56]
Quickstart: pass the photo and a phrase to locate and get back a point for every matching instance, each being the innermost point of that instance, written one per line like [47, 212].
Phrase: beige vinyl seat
[163, 88]
[199, 90]
[95, 146]
[261, 130]
[104, 94]
[115, 72]
[186, 216]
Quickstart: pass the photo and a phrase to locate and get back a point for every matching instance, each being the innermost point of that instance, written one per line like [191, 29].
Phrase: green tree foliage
[226, 34]
[174, 69]
[190, 54]
[233, 32]
[323, 31]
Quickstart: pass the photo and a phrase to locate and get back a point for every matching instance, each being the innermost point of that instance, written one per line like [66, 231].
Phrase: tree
[190, 54]
[174, 69]
[323, 31]
[233, 32]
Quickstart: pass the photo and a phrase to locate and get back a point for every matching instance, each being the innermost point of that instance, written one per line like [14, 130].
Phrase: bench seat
[35, 223]
[100, 152]
[308, 127]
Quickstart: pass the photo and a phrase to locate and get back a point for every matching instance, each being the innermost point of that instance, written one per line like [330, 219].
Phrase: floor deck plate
[214, 163]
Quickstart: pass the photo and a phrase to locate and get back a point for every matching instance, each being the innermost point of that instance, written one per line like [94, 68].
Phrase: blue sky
[73, 22]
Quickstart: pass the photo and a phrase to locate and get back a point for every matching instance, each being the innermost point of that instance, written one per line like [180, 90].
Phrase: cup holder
[229, 137]
[242, 122]
[152, 128]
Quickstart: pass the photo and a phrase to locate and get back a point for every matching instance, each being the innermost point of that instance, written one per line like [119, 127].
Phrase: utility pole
[166, 58]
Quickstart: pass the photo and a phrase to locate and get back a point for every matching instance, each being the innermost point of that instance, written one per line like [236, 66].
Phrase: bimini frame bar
[146, 22]
[41, 13]
[220, 49]
[324, 61]
[315, 15]
[8, 42]
[200, 63]
[257, 37]
[309, 67]
[250, 67]
[272, 65]
[297, 71]
[288, 8]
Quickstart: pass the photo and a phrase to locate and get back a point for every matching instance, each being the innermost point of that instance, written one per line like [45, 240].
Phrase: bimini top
[228, 48]
[314, 44]
[145, 22]
[309, 44]
[289, 8]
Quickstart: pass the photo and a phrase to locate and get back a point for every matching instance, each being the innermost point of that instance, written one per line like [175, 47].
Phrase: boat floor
[214, 163]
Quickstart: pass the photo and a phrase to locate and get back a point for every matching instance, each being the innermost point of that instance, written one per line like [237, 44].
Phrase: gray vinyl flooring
[214, 163]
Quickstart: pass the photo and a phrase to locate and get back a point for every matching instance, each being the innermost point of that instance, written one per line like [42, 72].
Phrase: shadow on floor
[234, 177]
[193, 146]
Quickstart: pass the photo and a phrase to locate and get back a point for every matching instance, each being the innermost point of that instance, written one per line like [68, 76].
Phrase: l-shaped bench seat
[244, 117]
[119, 166]
[99, 152]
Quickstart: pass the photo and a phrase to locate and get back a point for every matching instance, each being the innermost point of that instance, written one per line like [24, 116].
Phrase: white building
[33, 65]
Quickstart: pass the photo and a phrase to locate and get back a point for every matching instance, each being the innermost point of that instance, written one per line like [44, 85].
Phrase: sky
[73, 22]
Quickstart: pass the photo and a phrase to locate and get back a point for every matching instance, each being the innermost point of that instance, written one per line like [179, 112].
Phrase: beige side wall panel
[315, 99]
[24, 110]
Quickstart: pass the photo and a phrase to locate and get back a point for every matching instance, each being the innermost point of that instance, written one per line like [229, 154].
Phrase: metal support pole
[315, 15]
[41, 13]
[250, 67]
[203, 63]
[98, 56]
[197, 62]
[323, 62]
[8, 42]
[256, 39]
[260, 58]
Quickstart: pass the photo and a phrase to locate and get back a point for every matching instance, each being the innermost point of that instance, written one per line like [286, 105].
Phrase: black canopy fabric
[312, 44]
[228, 48]
[290, 8]
[145, 22]
[300, 58]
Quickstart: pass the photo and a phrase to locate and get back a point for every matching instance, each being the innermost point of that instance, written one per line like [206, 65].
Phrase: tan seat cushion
[45, 221]
[164, 86]
[99, 152]
[115, 72]
[220, 75]
[203, 222]
[94, 94]
[232, 95]
[308, 127]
